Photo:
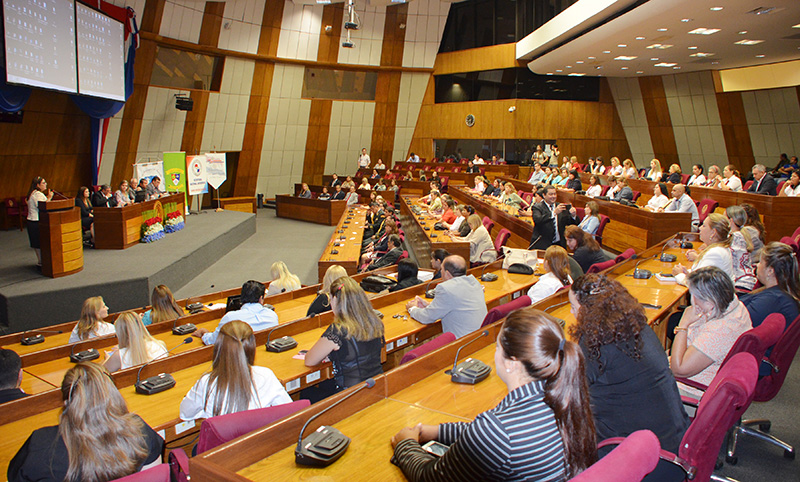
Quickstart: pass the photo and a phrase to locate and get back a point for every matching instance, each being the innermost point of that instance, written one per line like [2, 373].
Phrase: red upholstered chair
[636, 195]
[403, 256]
[598, 267]
[159, 473]
[438, 342]
[796, 235]
[599, 234]
[14, 213]
[445, 180]
[791, 242]
[500, 312]
[456, 169]
[527, 197]
[426, 168]
[780, 185]
[488, 224]
[685, 178]
[580, 213]
[726, 399]
[482, 171]
[439, 168]
[424, 159]
[626, 255]
[604, 189]
[216, 431]
[464, 161]
[630, 461]
[501, 240]
[780, 361]
[747, 185]
[706, 207]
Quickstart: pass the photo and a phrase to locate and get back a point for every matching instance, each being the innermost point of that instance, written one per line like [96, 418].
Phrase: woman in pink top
[709, 328]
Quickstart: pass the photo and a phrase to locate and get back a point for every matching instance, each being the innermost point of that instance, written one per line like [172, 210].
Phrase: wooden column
[659, 122]
[735, 130]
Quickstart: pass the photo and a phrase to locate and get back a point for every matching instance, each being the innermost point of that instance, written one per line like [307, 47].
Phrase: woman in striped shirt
[542, 430]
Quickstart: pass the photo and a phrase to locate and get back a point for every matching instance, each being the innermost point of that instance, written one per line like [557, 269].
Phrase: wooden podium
[61, 237]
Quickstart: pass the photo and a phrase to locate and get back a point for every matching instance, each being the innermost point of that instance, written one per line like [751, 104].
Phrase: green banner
[175, 174]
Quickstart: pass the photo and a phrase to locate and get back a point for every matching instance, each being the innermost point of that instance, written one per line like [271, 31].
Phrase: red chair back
[425, 348]
[501, 240]
[488, 224]
[626, 255]
[500, 312]
[580, 213]
[791, 243]
[685, 178]
[598, 267]
[630, 461]
[403, 256]
[599, 234]
[216, 431]
[159, 473]
[781, 359]
[636, 195]
[456, 169]
[527, 197]
[726, 399]
[439, 168]
[747, 185]
[604, 189]
[796, 235]
[706, 207]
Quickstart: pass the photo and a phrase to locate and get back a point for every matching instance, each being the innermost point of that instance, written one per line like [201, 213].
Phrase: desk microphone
[561, 322]
[35, 339]
[490, 276]
[470, 371]
[82, 356]
[667, 258]
[430, 293]
[642, 273]
[326, 444]
[157, 383]
[184, 329]
[281, 344]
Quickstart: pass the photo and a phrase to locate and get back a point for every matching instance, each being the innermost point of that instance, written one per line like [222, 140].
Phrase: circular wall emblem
[470, 120]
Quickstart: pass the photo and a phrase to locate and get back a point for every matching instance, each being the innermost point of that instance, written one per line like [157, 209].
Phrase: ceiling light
[715, 9]
[693, 47]
[591, 58]
[748, 42]
[622, 46]
[576, 74]
[323, 2]
[662, 30]
[702, 54]
[559, 70]
[704, 31]
[606, 51]
[579, 61]
[742, 32]
[624, 68]
[599, 67]
[762, 10]
[796, 26]
[659, 46]
[640, 71]
[653, 58]
[569, 66]
[760, 56]
[716, 62]
[625, 57]
[665, 64]
[685, 20]
[639, 38]
[549, 73]
[676, 68]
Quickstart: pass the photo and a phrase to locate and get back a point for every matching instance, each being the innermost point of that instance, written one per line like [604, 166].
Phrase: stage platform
[125, 278]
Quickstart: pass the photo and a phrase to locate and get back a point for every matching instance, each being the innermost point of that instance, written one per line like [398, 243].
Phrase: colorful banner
[196, 175]
[216, 169]
[175, 172]
[149, 170]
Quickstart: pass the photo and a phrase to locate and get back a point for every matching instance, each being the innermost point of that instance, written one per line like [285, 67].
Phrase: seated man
[391, 256]
[339, 195]
[10, 376]
[253, 312]
[103, 198]
[682, 203]
[153, 190]
[459, 300]
[763, 183]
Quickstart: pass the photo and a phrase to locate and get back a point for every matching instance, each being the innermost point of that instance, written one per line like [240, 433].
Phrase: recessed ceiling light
[640, 71]
[569, 66]
[624, 68]
[796, 26]
[715, 9]
[760, 56]
[591, 58]
[693, 47]
[702, 54]
[653, 58]
[625, 57]
[599, 67]
[716, 62]
[659, 46]
[676, 68]
[549, 73]
[622, 46]
[748, 42]
[576, 74]
[704, 31]
[606, 51]
[662, 29]
[579, 61]
[685, 20]
[742, 32]
[665, 64]
[639, 38]
[559, 70]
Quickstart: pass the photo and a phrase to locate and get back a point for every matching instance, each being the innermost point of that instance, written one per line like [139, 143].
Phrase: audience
[324, 195]
[556, 274]
[763, 183]
[585, 250]
[282, 279]
[234, 383]
[629, 171]
[714, 233]
[390, 257]
[481, 247]
[253, 312]
[624, 191]
[136, 345]
[305, 192]
[163, 307]
[682, 203]
[655, 172]
[10, 376]
[322, 302]
[591, 218]
[91, 324]
[674, 176]
[660, 198]
[121, 197]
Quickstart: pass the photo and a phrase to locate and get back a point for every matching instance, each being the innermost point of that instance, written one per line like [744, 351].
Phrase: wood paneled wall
[582, 129]
[473, 60]
[659, 122]
[319, 126]
[735, 130]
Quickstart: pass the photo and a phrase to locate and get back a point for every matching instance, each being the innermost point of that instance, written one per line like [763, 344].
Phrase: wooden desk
[311, 210]
[121, 228]
[420, 234]
[245, 204]
[504, 216]
[346, 239]
[61, 237]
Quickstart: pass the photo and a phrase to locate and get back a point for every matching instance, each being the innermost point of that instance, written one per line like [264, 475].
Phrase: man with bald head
[682, 203]
[458, 301]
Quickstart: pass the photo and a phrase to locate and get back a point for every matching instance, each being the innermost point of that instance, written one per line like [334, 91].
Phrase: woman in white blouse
[792, 187]
[481, 247]
[616, 168]
[660, 198]
[731, 181]
[697, 179]
[136, 345]
[556, 274]
[629, 169]
[595, 189]
[234, 384]
[715, 251]
[655, 172]
[36, 194]
[480, 186]
[91, 324]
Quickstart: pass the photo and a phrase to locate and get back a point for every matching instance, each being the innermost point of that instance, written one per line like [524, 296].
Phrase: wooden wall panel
[319, 126]
[659, 122]
[473, 60]
[735, 130]
[329, 42]
[212, 23]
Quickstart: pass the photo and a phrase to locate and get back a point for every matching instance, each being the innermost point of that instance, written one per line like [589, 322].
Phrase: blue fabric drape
[12, 97]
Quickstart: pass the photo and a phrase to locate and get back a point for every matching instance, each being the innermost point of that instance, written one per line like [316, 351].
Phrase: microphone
[281, 344]
[561, 322]
[642, 273]
[470, 371]
[326, 444]
[490, 276]
[667, 258]
[157, 383]
[187, 328]
[35, 339]
[82, 356]
[430, 293]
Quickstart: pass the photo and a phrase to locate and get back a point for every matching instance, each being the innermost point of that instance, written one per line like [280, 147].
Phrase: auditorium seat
[599, 234]
[445, 183]
[501, 240]
[427, 347]
[456, 169]
[780, 185]
[13, 213]
[527, 197]
[706, 207]
[630, 461]
[500, 312]
[159, 473]
[439, 168]
[685, 178]
[604, 189]
[747, 185]
[791, 243]
[580, 213]
[636, 195]
[488, 224]
[598, 267]
[626, 255]
[796, 235]
[403, 256]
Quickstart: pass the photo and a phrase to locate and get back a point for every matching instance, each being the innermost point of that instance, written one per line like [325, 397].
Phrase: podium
[61, 237]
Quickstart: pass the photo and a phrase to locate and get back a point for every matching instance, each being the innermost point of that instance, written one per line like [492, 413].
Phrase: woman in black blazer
[84, 202]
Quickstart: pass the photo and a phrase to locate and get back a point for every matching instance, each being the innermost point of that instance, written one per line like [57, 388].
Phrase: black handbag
[376, 283]
[439, 226]
[520, 268]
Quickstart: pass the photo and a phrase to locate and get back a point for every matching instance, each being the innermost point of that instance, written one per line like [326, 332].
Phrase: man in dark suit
[339, 195]
[549, 220]
[10, 376]
[103, 198]
[336, 181]
[391, 256]
[763, 183]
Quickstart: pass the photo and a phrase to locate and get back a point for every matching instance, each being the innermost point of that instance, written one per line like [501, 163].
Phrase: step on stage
[124, 278]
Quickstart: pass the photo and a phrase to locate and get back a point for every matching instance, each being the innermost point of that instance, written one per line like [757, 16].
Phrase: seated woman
[613, 187]
[380, 186]
[754, 221]
[629, 169]
[448, 216]
[121, 195]
[305, 192]
[375, 176]
[714, 252]
[494, 189]
[585, 250]
[234, 383]
[481, 247]
[393, 186]
[574, 181]
[745, 245]
[136, 345]
[324, 195]
[353, 342]
[365, 186]
[556, 274]
[731, 180]
[409, 175]
[422, 176]
[791, 188]
[562, 178]
[164, 307]
[435, 206]
[542, 430]
[595, 189]
[708, 329]
[91, 324]
[626, 367]
[655, 172]
[548, 176]
[660, 198]
[407, 271]
[437, 257]
[674, 176]
[511, 198]
[84, 202]
[282, 279]
[591, 218]
[623, 190]
[616, 168]
[322, 302]
[480, 186]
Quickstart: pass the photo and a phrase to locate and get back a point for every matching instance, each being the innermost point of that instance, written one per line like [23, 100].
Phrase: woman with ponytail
[542, 430]
[234, 384]
[96, 439]
[626, 367]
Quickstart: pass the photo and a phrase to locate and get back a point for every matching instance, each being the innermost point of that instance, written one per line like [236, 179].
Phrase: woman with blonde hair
[629, 170]
[322, 302]
[655, 172]
[353, 342]
[96, 438]
[136, 344]
[234, 384]
[480, 185]
[674, 174]
[163, 307]
[282, 279]
[91, 324]
[616, 168]
[714, 233]
[480, 242]
[556, 274]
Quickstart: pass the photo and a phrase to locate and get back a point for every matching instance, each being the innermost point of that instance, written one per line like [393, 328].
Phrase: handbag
[376, 283]
[519, 268]
[439, 226]
[519, 256]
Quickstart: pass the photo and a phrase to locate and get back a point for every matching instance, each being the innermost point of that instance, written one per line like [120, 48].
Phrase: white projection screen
[40, 43]
[101, 57]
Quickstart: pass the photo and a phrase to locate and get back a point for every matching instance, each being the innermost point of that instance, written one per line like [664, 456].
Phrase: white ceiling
[594, 52]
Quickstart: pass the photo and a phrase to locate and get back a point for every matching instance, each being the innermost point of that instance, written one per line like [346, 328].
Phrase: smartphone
[567, 206]
[435, 448]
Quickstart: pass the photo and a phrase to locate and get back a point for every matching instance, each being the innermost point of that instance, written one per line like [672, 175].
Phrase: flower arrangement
[152, 230]
[174, 222]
